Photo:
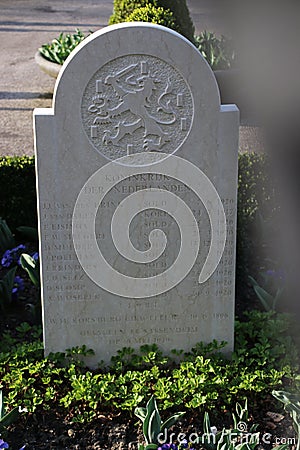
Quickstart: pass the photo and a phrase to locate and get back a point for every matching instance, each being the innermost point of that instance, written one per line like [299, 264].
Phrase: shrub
[123, 8]
[151, 14]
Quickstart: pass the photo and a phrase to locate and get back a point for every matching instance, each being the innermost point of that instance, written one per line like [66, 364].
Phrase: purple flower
[18, 286]
[7, 259]
[19, 250]
[276, 274]
[19, 282]
[270, 273]
[3, 444]
[12, 256]
[183, 444]
[35, 256]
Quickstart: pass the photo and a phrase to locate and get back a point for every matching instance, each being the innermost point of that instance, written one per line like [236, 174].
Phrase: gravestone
[137, 185]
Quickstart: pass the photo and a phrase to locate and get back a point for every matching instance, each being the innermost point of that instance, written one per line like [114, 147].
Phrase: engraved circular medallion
[136, 104]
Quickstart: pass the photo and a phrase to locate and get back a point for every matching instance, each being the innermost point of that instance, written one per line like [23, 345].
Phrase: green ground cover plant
[265, 358]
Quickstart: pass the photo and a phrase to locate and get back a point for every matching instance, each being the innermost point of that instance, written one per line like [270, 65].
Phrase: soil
[52, 430]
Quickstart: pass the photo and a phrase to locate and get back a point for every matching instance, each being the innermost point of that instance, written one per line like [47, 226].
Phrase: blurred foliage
[218, 52]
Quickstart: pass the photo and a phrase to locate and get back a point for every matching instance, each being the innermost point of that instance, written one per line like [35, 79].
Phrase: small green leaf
[6, 287]
[7, 239]
[2, 411]
[140, 413]
[264, 297]
[281, 447]
[152, 422]
[32, 268]
[206, 423]
[10, 417]
[172, 420]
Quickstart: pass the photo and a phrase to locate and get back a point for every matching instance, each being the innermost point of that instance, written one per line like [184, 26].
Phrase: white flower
[213, 430]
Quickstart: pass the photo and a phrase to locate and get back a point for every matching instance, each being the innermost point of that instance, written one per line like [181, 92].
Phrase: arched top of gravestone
[136, 80]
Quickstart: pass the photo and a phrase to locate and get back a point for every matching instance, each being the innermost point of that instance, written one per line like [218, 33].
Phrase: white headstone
[137, 185]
